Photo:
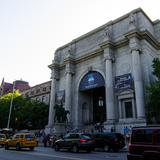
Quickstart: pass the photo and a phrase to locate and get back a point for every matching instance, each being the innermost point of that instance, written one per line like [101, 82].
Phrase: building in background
[40, 92]
[8, 87]
[101, 77]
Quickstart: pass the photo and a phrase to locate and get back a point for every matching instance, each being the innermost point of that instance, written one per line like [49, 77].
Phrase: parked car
[22, 140]
[144, 143]
[3, 138]
[74, 142]
[108, 141]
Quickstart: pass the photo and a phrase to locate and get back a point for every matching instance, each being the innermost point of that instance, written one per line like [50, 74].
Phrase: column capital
[69, 69]
[134, 44]
[135, 49]
[109, 57]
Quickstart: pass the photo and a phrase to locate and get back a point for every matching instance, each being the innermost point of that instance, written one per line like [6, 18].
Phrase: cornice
[69, 60]
[149, 38]
[143, 35]
[88, 56]
[107, 44]
[102, 27]
[54, 66]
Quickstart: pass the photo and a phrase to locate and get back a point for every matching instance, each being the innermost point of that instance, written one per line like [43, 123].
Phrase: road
[41, 153]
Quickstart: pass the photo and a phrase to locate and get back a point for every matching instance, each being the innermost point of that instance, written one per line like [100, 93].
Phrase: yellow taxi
[3, 138]
[22, 140]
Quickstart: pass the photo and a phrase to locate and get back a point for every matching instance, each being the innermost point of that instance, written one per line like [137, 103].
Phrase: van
[108, 141]
[144, 143]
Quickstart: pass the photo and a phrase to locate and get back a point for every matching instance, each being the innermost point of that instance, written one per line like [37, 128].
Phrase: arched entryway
[92, 97]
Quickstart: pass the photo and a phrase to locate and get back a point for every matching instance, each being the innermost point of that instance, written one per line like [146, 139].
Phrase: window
[32, 93]
[128, 109]
[43, 98]
[38, 90]
[142, 136]
[44, 89]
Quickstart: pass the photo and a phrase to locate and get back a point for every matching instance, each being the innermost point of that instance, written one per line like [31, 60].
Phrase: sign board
[91, 80]
[123, 82]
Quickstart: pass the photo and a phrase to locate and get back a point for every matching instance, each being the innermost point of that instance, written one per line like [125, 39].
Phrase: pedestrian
[45, 141]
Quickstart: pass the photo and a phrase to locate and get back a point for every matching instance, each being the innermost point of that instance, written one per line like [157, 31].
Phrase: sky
[31, 30]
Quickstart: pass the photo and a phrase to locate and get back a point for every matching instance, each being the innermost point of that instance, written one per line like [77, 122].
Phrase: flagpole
[11, 104]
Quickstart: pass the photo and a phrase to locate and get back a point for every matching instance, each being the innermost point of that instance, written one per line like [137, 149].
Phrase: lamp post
[11, 104]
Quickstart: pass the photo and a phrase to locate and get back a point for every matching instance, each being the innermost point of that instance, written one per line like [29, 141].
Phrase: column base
[109, 126]
[49, 129]
[129, 122]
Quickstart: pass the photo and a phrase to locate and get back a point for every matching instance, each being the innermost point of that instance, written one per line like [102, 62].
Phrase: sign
[123, 82]
[60, 97]
[91, 80]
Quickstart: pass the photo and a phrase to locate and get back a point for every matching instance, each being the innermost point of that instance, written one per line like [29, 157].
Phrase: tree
[153, 114]
[26, 113]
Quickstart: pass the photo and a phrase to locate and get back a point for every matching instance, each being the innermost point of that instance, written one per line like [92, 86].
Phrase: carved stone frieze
[132, 22]
[107, 35]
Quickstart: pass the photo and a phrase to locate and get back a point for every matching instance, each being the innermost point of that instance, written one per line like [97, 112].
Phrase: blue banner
[123, 82]
[91, 80]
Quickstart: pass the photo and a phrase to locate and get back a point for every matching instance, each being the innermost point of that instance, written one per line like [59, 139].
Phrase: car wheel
[6, 146]
[75, 148]
[18, 147]
[106, 148]
[56, 147]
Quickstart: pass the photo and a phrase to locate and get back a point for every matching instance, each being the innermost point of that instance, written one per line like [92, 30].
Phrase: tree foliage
[26, 113]
[154, 95]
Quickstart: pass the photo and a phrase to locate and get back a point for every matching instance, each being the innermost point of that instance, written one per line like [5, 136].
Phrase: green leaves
[26, 113]
[156, 67]
[154, 94]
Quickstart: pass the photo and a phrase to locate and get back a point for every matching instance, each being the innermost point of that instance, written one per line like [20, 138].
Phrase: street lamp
[11, 104]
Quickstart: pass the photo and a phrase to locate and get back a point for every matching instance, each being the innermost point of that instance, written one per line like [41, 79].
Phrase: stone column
[109, 86]
[120, 109]
[52, 101]
[68, 95]
[137, 74]
[133, 109]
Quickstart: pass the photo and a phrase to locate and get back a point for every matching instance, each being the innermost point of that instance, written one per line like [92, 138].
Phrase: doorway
[99, 107]
[92, 93]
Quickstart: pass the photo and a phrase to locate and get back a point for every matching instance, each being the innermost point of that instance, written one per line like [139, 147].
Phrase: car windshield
[85, 136]
[29, 136]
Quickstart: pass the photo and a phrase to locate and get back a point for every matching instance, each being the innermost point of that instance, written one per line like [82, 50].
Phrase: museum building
[101, 77]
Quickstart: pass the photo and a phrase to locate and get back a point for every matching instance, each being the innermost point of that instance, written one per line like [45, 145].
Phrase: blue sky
[31, 30]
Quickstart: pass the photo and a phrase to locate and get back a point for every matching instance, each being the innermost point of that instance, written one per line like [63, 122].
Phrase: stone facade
[40, 92]
[121, 52]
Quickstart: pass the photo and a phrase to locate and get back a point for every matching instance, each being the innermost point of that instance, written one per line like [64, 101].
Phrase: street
[41, 153]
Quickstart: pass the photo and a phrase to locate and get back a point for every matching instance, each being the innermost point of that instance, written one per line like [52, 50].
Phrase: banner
[91, 80]
[123, 82]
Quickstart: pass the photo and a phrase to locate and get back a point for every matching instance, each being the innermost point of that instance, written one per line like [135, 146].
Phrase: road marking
[49, 155]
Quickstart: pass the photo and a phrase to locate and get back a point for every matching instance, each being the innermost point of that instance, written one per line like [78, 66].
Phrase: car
[22, 140]
[74, 142]
[144, 143]
[3, 138]
[108, 141]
